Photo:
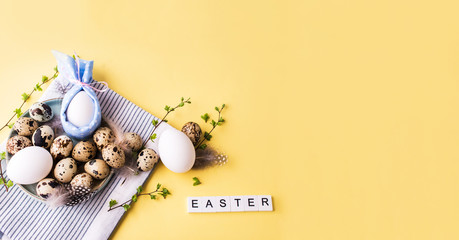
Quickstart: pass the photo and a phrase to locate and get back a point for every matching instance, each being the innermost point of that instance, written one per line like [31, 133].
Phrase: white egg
[176, 150]
[29, 165]
[80, 111]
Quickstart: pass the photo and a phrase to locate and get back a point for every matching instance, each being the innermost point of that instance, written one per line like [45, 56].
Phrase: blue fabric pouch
[79, 73]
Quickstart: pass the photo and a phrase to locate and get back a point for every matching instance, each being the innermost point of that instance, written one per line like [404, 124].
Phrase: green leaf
[9, 184]
[223, 106]
[112, 203]
[154, 122]
[139, 189]
[2, 155]
[165, 120]
[214, 123]
[44, 79]
[153, 137]
[38, 87]
[158, 186]
[1, 181]
[152, 196]
[181, 104]
[196, 181]
[167, 108]
[134, 198]
[207, 136]
[217, 109]
[182, 99]
[55, 69]
[11, 125]
[203, 146]
[18, 112]
[25, 96]
[126, 207]
[205, 117]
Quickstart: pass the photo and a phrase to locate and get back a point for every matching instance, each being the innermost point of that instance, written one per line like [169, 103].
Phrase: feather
[209, 157]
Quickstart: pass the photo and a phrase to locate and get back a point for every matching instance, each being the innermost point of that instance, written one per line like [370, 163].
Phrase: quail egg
[147, 159]
[193, 132]
[61, 147]
[103, 136]
[43, 136]
[17, 143]
[84, 151]
[82, 180]
[132, 141]
[113, 155]
[47, 187]
[25, 126]
[97, 168]
[65, 170]
[41, 112]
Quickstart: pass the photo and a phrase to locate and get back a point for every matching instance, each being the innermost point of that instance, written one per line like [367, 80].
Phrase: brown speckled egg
[82, 180]
[25, 126]
[65, 170]
[17, 143]
[113, 155]
[84, 151]
[147, 159]
[97, 168]
[193, 131]
[47, 187]
[103, 137]
[62, 147]
[132, 141]
[43, 136]
[41, 112]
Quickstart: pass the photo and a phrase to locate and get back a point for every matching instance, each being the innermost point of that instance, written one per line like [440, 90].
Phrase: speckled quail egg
[62, 147]
[43, 136]
[103, 136]
[84, 151]
[25, 126]
[132, 141]
[97, 168]
[113, 155]
[193, 131]
[41, 112]
[47, 187]
[17, 143]
[82, 180]
[147, 159]
[65, 170]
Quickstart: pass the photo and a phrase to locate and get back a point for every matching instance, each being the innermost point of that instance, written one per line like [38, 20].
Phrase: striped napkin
[24, 217]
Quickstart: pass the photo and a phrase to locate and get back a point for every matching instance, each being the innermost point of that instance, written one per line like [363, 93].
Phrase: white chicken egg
[176, 150]
[80, 111]
[30, 165]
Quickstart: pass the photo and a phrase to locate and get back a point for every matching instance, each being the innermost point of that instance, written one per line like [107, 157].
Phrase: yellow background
[346, 112]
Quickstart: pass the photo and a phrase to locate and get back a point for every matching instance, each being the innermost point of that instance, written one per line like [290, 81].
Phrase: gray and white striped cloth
[23, 217]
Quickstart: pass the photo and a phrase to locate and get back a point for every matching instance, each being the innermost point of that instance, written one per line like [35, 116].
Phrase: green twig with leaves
[219, 122]
[6, 184]
[25, 97]
[168, 109]
[160, 191]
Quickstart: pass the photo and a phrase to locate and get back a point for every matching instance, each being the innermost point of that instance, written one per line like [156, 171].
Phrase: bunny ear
[65, 65]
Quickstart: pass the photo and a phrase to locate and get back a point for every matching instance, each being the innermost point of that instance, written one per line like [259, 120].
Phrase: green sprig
[26, 96]
[6, 184]
[159, 191]
[219, 122]
[168, 109]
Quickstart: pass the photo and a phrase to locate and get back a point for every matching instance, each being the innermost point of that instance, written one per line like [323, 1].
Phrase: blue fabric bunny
[78, 72]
